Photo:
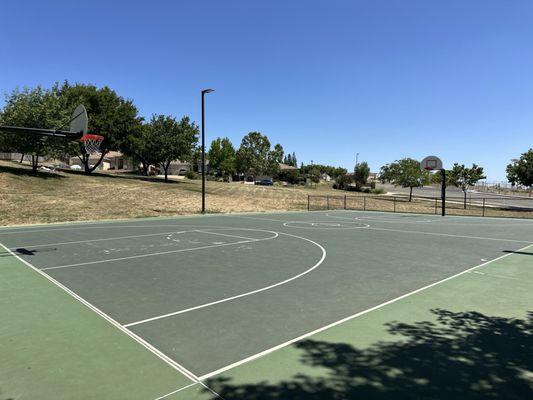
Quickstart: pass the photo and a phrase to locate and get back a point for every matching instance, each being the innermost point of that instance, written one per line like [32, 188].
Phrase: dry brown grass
[26, 198]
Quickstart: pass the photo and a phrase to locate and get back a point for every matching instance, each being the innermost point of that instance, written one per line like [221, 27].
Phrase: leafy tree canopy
[110, 115]
[222, 156]
[334, 172]
[361, 173]
[463, 177]
[521, 171]
[255, 155]
[405, 173]
[34, 108]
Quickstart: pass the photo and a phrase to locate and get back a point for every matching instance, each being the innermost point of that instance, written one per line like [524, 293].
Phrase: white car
[75, 167]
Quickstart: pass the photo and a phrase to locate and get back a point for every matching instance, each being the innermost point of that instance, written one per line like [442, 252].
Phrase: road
[455, 194]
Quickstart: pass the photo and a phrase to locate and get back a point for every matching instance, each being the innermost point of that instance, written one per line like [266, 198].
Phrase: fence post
[483, 214]
[394, 203]
[345, 202]
[308, 202]
[364, 203]
[327, 202]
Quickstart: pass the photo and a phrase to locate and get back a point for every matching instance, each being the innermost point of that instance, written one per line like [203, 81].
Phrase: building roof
[285, 167]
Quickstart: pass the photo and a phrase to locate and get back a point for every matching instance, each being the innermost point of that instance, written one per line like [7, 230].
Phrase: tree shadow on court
[20, 171]
[461, 356]
[525, 253]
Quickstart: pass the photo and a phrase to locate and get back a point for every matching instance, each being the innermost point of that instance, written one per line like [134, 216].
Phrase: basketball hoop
[91, 143]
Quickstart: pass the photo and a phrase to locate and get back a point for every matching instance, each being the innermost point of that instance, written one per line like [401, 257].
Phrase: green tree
[143, 147]
[361, 173]
[176, 139]
[110, 115]
[34, 108]
[521, 171]
[275, 158]
[342, 182]
[294, 162]
[463, 178]
[222, 157]
[161, 141]
[405, 173]
[254, 154]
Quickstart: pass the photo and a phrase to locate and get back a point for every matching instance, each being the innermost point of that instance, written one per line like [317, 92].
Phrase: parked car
[75, 167]
[265, 182]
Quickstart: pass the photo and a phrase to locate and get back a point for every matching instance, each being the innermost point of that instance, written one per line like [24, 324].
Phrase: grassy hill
[52, 197]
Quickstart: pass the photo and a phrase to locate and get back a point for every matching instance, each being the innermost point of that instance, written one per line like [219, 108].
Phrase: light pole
[203, 147]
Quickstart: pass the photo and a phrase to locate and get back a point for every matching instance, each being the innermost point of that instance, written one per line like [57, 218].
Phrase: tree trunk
[85, 160]
[145, 167]
[410, 193]
[465, 200]
[21, 158]
[34, 162]
[165, 168]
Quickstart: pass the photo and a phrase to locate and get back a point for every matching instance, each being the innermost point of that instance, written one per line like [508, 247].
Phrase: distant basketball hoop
[431, 163]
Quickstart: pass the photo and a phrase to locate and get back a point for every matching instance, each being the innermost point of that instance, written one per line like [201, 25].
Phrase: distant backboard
[431, 163]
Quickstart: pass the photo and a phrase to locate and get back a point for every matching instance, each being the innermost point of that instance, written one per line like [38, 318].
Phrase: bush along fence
[474, 206]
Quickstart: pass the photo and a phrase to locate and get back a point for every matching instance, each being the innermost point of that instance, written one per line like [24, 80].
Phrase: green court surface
[302, 305]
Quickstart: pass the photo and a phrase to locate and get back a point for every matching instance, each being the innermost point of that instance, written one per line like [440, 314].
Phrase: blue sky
[326, 79]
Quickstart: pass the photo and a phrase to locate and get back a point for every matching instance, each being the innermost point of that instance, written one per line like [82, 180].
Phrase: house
[113, 161]
[285, 167]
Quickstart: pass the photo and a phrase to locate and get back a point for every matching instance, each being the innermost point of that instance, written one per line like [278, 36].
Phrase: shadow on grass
[21, 171]
[463, 356]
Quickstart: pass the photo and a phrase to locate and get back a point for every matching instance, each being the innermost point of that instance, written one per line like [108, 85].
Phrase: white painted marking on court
[152, 254]
[322, 225]
[243, 294]
[176, 391]
[396, 221]
[341, 321]
[235, 236]
[132, 335]
[98, 240]
[496, 276]
[451, 235]
[450, 219]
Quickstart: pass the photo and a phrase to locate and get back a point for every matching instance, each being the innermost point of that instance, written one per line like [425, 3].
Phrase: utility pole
[203, 147]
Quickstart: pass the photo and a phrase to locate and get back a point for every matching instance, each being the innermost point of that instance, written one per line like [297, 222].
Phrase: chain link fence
[475, 206]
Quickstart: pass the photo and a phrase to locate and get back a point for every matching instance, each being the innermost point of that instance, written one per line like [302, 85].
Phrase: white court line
[138, 339]
[497, 276]
[243, 294]
[261, 219]
[176, 391]
[212, 227]
[450, 219]
[450, 235]
[178, 367]
[152, 254]
[234, 236]
[95, 240]
[341, 321]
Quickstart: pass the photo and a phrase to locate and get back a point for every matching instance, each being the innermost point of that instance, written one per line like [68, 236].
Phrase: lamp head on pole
[207, 91]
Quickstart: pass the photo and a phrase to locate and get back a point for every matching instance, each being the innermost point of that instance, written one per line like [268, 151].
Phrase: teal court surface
[265, 306]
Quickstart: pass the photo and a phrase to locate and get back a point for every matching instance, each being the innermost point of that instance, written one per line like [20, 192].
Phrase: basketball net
[91, 143]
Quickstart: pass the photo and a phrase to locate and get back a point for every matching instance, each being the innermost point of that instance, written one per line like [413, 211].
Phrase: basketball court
[170, 307]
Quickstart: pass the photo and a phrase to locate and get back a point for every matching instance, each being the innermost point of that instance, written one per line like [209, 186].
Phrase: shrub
[343, 182]
[191, 175]
[378, 191]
